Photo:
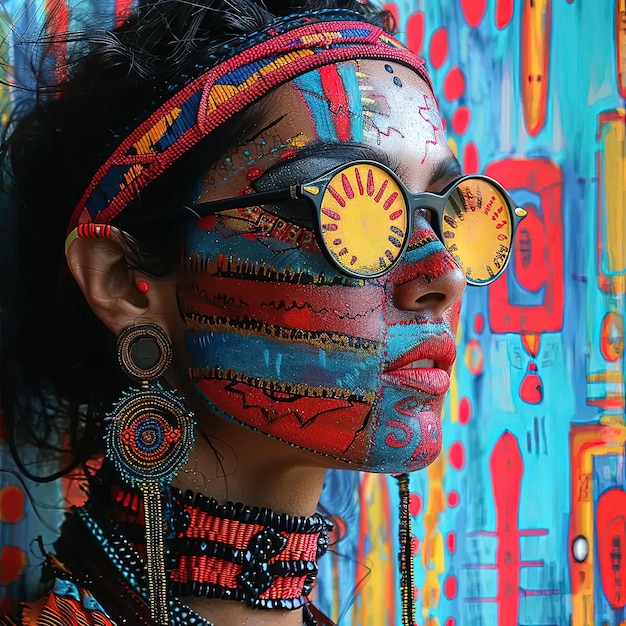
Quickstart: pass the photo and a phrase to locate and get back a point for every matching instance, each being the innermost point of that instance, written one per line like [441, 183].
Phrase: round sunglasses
[363, 215]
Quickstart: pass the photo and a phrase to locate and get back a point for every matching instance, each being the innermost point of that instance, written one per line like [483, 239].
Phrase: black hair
[59, 371]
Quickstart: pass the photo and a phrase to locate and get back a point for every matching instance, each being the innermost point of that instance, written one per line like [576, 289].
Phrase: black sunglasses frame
[312, 194]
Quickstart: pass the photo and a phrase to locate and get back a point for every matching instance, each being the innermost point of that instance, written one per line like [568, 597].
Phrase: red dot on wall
[470, 159]
[415, 32]
[456, 455]
[453, 499]
[13, 561]
[12, 502]
[451, 542]
[460, 120]
[392, 7]
[465, 410]
[451, 621]
[415, 504]
[474, 11]
[479, 323]
[439, 47]
[504, 13]
[449, 587]
[454, 84]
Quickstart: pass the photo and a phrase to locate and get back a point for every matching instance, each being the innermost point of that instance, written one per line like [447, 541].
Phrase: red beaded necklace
[243, 553]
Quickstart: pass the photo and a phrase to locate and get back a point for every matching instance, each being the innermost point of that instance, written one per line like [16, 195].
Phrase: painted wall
[522, 519]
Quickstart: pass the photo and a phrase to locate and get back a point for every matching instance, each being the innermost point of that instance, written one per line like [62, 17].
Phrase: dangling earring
[406, 552]
[149, 436]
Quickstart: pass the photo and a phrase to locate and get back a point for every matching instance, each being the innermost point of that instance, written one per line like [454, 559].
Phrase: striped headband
[290, 47]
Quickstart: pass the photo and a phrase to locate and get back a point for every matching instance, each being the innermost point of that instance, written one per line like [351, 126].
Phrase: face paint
[282, 342]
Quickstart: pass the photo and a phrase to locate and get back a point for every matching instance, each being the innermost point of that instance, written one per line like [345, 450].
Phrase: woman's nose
[429, 285]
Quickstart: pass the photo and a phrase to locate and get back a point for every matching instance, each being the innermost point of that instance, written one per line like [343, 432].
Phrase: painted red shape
[451, 542]
[543, 178]
[506, 468]
[456, 455]
[122, 9]
[504, 13]
[450, 587]
[454, 84]
[465, 410]
[461, 120]
[415, 504]
[415, 32]
[12, 564]
[453, 499]
[335, 91]
[471, 159]
[611, 532]
[531, 266]
[479, 323]
[392, 7]
[451, 621]
[439, 47]
[531, 387]
[12, 501]
[297, 419]
[474, 11]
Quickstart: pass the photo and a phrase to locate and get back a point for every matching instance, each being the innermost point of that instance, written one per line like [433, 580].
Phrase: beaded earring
[149, 436]
[406, 553]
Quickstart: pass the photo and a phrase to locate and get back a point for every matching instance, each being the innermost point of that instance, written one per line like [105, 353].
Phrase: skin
[416, 303]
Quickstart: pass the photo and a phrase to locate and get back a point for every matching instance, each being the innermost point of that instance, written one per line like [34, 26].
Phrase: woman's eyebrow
[445, 169]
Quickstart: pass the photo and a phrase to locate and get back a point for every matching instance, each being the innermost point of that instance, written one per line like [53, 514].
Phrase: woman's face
[278, 338]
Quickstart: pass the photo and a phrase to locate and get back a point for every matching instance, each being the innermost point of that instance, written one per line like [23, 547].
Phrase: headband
[256, 64]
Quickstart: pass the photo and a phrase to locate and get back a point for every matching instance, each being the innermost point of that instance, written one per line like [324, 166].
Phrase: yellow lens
[477, 229]
[364, 219]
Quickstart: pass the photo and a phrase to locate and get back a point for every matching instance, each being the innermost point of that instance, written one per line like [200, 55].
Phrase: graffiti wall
[522, 519]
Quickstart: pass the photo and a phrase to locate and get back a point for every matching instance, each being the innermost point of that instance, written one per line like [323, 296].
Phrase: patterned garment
[113, 576]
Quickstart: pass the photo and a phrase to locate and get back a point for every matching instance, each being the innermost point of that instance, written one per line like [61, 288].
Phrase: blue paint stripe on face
[269, 359]
[310, 85]
[415, 255]
[351, 85]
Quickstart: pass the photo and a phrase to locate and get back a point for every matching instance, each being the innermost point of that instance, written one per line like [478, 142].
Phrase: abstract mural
[522, 519]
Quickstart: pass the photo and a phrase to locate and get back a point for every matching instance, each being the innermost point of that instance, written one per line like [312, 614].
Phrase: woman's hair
[59, 368]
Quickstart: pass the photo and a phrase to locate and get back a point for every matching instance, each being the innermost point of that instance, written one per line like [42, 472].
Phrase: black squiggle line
[283, 305]
[221, 298]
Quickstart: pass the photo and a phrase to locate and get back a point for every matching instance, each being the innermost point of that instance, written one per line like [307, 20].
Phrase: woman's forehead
[373, 102]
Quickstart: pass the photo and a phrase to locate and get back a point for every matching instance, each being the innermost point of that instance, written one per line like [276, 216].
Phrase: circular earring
[150, 431]
[148, 439]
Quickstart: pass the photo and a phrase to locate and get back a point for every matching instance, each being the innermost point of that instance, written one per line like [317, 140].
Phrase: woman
[238, 186]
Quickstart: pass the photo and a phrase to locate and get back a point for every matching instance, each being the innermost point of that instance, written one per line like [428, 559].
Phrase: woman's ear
[110, 286]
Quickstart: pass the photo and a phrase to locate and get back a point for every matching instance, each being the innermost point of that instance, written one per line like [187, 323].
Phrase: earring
[406, 553]
[148, 438]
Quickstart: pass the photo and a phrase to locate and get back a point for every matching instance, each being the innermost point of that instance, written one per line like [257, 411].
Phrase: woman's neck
[238, 465]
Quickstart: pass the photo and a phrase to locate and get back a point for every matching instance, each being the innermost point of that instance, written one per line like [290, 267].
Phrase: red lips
[432, 380]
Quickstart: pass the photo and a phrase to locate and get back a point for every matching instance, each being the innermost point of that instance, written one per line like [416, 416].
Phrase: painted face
[278, 338]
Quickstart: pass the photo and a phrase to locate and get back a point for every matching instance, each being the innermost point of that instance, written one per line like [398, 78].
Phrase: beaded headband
[258, 63]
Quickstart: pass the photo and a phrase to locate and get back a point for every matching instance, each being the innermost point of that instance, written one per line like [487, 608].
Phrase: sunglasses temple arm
[246, 200]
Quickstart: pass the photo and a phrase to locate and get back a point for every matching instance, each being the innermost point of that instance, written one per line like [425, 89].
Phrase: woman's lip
[440, 349]
[433, 381]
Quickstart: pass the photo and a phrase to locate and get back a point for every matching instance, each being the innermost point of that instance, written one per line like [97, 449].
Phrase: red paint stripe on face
[306, 422]
[335, 91]
[309, 307]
